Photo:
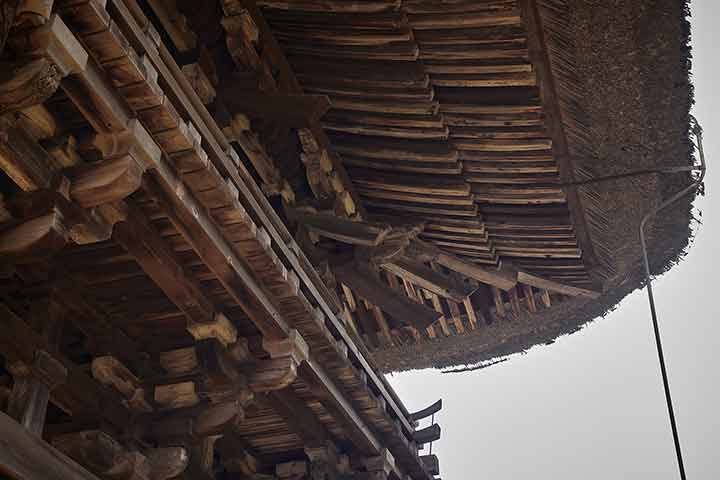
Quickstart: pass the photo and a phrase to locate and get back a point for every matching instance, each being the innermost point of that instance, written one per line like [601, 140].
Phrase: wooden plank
[394, 303]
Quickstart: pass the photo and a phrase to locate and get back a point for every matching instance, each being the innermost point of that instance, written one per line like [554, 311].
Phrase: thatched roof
[622, 72]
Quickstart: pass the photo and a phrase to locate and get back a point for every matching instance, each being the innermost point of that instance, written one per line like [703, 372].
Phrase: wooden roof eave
[178, 190]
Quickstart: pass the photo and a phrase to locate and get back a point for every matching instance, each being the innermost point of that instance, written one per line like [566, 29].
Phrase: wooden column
[31, 391]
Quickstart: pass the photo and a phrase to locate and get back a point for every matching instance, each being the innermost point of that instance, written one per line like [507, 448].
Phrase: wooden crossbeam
[294, 110]
[431, 280]
[499, 278]
[555, 286]
[343, 230]
[394, 303]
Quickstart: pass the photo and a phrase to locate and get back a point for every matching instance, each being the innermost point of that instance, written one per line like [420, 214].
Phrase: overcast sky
[591, 405]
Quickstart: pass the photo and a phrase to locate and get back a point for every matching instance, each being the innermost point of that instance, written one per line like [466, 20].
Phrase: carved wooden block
[109, 371]
[220, 328]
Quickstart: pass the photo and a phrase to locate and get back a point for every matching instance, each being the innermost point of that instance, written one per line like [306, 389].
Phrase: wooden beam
[25, 456]
[343, 230]
[294, 110]
[554, 286]
[431, 280]
[427, 434]
[394, 303]
[427, 411]
[499, 278]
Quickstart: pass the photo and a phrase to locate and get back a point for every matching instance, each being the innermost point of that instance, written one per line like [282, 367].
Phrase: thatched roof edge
[632, 65]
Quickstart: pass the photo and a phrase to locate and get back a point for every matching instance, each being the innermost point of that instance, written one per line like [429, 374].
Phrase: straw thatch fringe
[622, 79]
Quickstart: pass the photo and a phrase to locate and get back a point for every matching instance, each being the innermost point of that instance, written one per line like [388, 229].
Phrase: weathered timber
[109, 371]
[103, 455]
[431, 463]
[290, 109]
[394, 303]
[424, 277]
[8, 9]
[106, 181]
[343, 230]
[499, 278]
[79, 393]
[31, 390]
[26, 456]
[427, 434]
[299, 418]
[427, 411]
[554, 286]
[138, 236]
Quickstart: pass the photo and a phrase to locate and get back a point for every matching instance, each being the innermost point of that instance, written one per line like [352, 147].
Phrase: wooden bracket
[281, 370]
[220, 328]
[110, 371]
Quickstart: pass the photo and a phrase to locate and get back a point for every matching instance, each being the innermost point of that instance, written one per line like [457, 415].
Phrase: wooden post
[31, 391]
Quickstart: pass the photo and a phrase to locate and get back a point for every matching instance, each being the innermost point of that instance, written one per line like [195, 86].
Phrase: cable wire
[697, 130]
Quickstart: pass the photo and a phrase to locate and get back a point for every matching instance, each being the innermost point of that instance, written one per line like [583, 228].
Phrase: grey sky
[591, 406]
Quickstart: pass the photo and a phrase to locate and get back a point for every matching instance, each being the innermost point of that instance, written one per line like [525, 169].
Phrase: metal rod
[661, 357]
